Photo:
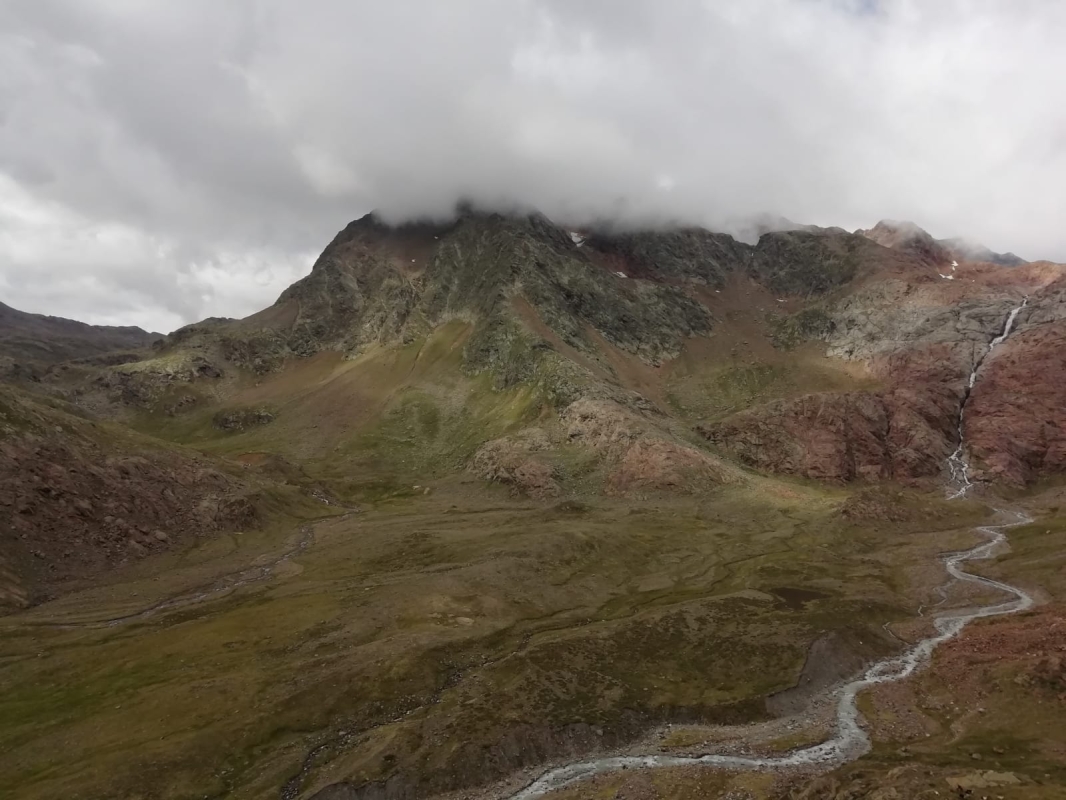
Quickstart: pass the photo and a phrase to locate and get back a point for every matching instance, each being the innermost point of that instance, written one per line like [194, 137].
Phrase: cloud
[166, 161]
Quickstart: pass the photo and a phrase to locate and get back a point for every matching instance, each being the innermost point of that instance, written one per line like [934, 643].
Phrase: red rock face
[922, 338]
[904, 432]
[1015, 422]
[512, 462]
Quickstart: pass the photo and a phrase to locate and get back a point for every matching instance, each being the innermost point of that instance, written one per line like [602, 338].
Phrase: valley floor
[984, 719]
[445, 642]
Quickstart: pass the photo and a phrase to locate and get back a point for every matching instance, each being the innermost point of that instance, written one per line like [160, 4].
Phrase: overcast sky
[165, 161]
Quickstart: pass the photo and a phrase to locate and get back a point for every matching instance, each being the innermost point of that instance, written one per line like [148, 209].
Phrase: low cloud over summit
[162, 162]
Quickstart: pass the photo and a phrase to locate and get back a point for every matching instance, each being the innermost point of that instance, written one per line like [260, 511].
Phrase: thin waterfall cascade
[958, 465]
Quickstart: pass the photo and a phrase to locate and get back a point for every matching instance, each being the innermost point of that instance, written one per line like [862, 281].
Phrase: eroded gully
[849, 740]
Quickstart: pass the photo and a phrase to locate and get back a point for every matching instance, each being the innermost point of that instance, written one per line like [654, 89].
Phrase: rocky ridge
[907, 236]
[30, 343]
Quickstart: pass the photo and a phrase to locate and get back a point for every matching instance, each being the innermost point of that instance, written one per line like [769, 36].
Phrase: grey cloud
[230, 140]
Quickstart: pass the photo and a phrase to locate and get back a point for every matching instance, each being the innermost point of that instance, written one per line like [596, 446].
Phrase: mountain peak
[908, 236]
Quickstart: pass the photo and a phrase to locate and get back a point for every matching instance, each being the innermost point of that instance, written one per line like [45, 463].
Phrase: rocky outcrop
[797, 261]
[891, 316]
[241, 419]
[964, 250]
[653, 464]
[908, 237]
[168, 382]
[809, 264]
[922, 338]
[671, 255]
[635, 455]
[512, 461]
[639, 457]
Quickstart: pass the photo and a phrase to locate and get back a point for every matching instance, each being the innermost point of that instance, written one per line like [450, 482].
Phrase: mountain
[635, 328]
[972, 251]
[590, 330]
[478, 495]
[29, 342]
[909, 237]
[617, 362]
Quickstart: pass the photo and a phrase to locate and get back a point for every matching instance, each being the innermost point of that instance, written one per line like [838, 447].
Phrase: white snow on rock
[577, 238]
[621, 275]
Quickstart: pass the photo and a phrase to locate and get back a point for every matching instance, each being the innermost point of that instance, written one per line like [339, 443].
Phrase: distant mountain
[909, 237]
[972, 251]
[44, 340]
[750, 229]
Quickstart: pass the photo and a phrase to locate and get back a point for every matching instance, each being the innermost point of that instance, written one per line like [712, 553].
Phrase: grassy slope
[740, 366]
[389, 419]
[30, 421]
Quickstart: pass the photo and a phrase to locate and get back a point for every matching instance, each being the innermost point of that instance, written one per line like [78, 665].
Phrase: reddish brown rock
[1015, 422]
[655, 465]
[909, 238]
[904, 432]
[511, 461]
[639, 458]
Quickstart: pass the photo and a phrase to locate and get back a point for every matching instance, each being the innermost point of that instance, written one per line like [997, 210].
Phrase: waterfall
[958, 466]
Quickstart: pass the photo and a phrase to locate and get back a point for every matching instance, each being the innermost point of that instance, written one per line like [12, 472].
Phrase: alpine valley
[496, 507]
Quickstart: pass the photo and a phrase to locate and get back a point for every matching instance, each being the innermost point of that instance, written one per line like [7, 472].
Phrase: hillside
[480, 495]
[82, 498]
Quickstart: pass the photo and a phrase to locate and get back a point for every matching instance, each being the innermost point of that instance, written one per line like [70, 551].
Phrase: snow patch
[621, 275]
[577, 238]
